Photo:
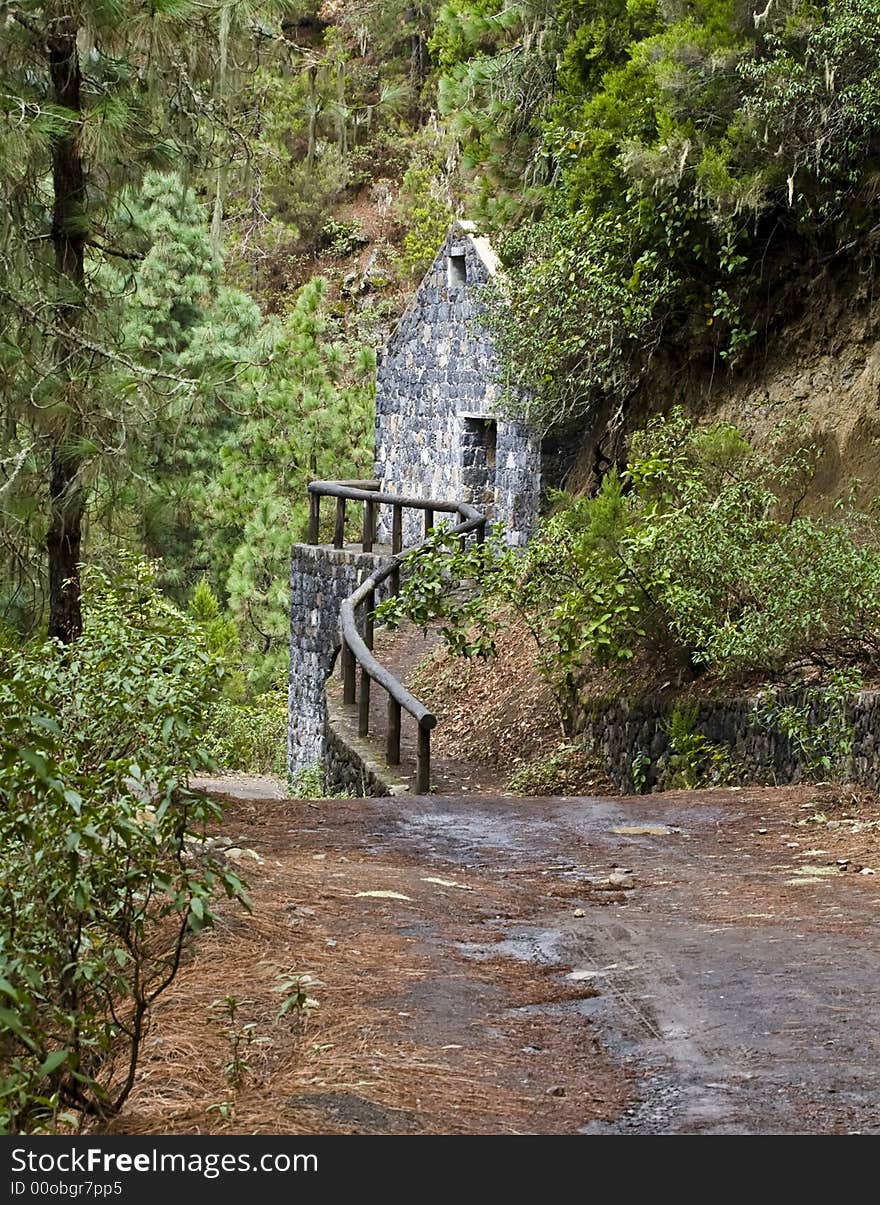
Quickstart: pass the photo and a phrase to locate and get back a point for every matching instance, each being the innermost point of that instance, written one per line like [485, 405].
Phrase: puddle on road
[584, 1006]
[520, 949]
[644, 830]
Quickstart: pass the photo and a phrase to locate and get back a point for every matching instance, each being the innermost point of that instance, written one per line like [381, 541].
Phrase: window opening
[456, 271]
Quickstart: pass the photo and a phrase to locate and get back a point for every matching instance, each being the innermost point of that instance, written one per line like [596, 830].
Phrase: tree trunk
[418, 56]
[69, 233]
[63, 541]
[312, 117]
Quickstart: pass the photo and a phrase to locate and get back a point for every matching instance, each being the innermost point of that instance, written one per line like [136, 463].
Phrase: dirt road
[692, 962]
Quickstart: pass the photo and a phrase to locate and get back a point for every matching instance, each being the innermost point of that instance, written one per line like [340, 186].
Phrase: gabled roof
[484, 252]
[482, 246]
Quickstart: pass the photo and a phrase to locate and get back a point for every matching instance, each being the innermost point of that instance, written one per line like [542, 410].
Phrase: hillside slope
[819, 374]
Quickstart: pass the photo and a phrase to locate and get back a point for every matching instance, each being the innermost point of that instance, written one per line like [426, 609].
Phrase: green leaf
[8, 990]
[12, 1022]
[53, 1061]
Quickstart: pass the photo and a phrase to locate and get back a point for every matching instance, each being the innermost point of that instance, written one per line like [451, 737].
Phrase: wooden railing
[356, 650]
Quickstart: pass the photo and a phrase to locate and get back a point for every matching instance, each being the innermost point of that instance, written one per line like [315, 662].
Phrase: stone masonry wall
[621, 732]
[437, 376]
[352, 763]
[320, 578]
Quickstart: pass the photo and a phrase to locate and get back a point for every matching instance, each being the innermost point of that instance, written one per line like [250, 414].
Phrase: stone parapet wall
[321, 577]
[632, 739]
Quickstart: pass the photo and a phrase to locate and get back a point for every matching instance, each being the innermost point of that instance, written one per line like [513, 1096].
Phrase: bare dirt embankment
[823, 374]
[818, 375]
[499, 730]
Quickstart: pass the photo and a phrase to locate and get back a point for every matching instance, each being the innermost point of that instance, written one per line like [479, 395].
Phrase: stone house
[437, 433]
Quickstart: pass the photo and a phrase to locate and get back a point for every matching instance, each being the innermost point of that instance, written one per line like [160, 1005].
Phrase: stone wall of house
[436, 381]
[517, 481]
[320, 578]
[633, 741]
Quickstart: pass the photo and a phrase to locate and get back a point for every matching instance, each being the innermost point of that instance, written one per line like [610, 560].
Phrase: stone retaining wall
[633, 741]
[350, 761]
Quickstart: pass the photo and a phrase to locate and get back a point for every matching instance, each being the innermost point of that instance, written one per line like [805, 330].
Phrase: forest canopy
[214, 212]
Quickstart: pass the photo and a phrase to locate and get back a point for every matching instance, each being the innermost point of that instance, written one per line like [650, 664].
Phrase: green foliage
[208, 341]
[95, 97]
[309, 414]
[218, 630]
[702, 564]
[100, 880]
[638, 771]
[297, 1001]
[569, 769]
[426, 215]
[267, 404]
[240, 1036]
[693, 760]
[342, 238]
[453, 584]
[249, 736]
[664, 161]
[311, 783]
[694, 560]
[339, 112]
[577, 316]
[821, 732]
[810, 118]
[495, 88]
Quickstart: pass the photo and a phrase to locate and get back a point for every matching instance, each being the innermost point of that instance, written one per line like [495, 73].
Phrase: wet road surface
[740, 990]
[695, 962]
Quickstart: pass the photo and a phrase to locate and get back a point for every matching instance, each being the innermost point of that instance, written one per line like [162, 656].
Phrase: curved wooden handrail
[357, 649]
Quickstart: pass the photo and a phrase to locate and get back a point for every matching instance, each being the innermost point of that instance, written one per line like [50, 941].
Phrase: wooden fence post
[392, 744]
[369, 619]
[364, 705]
[314, 517]
[349, 679]
[369, 527]
[423, 762]
[339, 532]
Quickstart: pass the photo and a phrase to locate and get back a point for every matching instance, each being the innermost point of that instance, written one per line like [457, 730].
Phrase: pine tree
[95, 92]
[310, 415]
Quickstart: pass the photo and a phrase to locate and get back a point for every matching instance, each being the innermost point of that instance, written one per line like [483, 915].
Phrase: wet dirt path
[687, 963]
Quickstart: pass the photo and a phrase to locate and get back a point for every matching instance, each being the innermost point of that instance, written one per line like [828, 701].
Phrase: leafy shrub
[99, 884]
[569, 769]
[821, 731]
[311, 783]
[457, 586]
[694, 760]
[343, 238]
[695, 558]
[579, 312]
[249, 736]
